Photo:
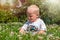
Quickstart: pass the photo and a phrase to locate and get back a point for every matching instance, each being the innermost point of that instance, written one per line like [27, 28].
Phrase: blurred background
[13, 16]
[15, 10]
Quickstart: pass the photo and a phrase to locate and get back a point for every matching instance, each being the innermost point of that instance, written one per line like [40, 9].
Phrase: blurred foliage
[7, 16]
[48, 12]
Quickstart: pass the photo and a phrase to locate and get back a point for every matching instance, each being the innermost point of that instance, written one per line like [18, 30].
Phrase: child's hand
[42, 32]
[22, 31]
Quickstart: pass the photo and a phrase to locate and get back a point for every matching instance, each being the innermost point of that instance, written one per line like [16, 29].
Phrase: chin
[31, 21]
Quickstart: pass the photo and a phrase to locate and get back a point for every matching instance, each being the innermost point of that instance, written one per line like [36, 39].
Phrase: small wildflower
[12, 33]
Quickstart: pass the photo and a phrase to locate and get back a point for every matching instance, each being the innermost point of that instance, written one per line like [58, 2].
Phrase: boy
[34, 23]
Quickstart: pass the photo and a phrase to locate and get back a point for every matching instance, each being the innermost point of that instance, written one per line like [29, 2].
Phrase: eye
[30, 16]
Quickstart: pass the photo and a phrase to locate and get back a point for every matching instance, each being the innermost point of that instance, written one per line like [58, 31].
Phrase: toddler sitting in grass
[34, 24]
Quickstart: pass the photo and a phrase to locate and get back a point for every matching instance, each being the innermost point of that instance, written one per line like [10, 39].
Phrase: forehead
[32, 12]
[28, 14]
[32, 9]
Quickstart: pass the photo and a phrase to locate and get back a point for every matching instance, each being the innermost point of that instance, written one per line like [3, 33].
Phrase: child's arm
[23, 28]
[43, 28]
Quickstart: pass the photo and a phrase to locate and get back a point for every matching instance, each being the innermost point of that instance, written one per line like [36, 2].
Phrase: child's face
[32, 16]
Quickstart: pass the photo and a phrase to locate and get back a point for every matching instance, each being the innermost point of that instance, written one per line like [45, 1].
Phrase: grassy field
[10, 31]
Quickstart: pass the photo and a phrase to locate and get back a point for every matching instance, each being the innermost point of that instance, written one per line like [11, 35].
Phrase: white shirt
[38, 24]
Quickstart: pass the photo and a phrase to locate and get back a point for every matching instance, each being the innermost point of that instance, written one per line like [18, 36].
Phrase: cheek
[34, 17]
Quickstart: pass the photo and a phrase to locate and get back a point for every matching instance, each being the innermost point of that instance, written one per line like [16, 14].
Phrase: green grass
[10, 31]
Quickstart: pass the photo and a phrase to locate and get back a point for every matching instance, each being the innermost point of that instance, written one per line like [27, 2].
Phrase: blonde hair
[34, 8]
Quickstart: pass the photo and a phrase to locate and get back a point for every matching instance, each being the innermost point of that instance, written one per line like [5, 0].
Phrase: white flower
[50, 35]
[11, 33]
[20, 38]
[40, 37]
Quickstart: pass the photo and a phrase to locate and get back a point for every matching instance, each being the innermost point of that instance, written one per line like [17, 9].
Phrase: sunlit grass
[10, 31]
